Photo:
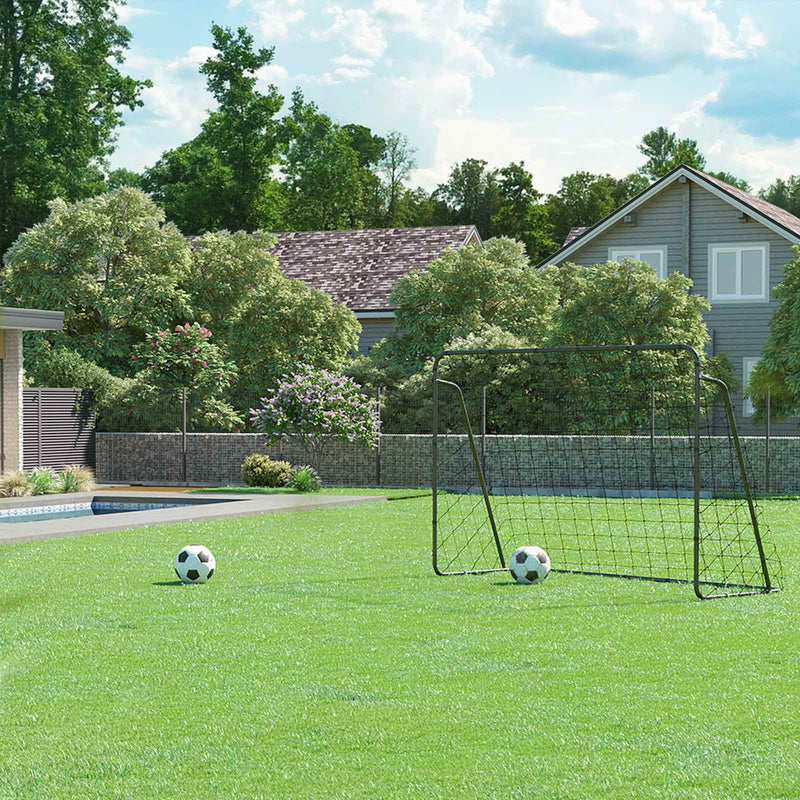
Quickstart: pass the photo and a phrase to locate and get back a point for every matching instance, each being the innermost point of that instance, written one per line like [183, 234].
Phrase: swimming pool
[85, 509]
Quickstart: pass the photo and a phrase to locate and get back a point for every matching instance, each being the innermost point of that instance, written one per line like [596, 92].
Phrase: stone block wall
[535, 462]
[12, 398]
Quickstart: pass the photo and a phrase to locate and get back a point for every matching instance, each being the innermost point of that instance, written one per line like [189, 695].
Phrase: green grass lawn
[325, 660]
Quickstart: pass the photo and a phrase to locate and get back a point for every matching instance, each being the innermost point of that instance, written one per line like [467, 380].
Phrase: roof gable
[360, 268]
[773, 217]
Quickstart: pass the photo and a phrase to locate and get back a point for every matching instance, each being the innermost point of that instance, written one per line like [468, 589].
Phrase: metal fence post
[483, 429]
[378, 451]
[183, 432]
[653, 438]
[766, 445]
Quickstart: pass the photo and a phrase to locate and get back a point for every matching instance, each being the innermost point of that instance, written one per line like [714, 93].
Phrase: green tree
[370, 148]
[61, 97]
[665, 151]
[584, 198]
[778, 371]
[473, 193]
[395, 165]
[111, 264]
[322, 176]
[223, 177]
[731, 179]
[784, 194]
[520, 215]
[118, 178]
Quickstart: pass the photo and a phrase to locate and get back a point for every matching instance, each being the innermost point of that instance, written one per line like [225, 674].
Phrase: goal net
[618, 461]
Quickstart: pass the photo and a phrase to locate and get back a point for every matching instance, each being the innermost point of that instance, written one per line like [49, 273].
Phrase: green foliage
[304, 479]
[15, 483]
[111, 264]
[261, 470]
[778, 371]
[222, 178]
[463, 291]
[76, 478]
[665, 151]
[731, 179]
[473, 193]
[784, 194]
[44, 481]
[61, 100]
[395, 165]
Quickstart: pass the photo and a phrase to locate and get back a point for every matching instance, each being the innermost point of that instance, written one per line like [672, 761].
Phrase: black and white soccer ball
[195, 564]
[529, 565]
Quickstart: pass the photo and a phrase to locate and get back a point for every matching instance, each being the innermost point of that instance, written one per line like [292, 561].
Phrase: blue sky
[561, 84]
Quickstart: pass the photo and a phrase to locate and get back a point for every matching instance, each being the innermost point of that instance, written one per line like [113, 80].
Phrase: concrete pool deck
[205, 508]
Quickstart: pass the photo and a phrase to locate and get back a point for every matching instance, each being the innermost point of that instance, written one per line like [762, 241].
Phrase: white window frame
[748, 362]
[737, 247]
[638, 250]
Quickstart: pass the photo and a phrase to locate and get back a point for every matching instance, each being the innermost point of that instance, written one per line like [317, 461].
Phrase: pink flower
[204, 364]
[135, 358]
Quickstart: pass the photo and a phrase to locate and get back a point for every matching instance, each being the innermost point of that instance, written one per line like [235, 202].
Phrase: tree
[585, 198]
[322, 176]
[395, 165]
[118, 178]
[111, 264]
[784, 194]
[665, 151]
[318, 407]
[731, 179]
[223, 177]
[778, 371]
[462, 292]
[520, 214]
[473, 194]
[61, 97]
[370, 148]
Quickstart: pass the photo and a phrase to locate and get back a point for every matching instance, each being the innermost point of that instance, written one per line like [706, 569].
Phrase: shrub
[76, 478]
[44, 481]
[304, 479]
[15, 483]
[261, 470]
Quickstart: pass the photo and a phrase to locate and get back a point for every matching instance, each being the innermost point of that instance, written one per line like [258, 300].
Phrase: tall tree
[395, 166]
[665, 151]
[369, 147]
[784, 193]
[521, 215]
[60, 101]
[323, 179]
[223, 177]
[473, 193]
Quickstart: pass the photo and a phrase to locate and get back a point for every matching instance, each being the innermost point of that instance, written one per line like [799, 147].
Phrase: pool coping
[207, 508]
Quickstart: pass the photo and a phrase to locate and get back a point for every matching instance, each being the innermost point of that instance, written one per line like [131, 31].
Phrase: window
[738, 272]
[654, 255]
[748, 409]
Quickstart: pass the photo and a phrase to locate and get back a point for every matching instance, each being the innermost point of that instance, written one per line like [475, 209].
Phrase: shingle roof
[360, 268]
[775, 213]
[574, 234]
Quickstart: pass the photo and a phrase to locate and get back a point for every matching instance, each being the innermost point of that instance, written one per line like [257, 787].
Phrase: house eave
[30, 319]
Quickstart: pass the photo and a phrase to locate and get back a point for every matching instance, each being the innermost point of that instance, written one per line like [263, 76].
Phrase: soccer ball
[529, 565]
[194, 564]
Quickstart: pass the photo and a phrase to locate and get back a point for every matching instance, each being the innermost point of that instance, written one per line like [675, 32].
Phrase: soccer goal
[618, 461]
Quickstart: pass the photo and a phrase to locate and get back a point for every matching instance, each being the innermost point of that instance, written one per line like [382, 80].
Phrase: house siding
[372, 331]
[688, 219]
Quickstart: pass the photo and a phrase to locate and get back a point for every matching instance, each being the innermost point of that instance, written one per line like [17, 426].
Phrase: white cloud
[749, 36]
[349, 61]
[352, 73]
[356, 28]
[271, 74]
[274, 17]
[125, 13]
[569, 17]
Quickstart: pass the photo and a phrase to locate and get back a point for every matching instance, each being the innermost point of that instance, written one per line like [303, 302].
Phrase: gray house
[731, 244]
[360, 268]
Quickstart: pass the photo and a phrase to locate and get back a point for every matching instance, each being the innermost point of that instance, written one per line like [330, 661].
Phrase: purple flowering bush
[317, 406]
[185, 357]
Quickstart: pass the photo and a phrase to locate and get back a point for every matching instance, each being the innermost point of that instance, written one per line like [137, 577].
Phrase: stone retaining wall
[536, 462]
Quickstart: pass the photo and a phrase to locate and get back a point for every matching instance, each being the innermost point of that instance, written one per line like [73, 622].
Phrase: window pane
[652, 258]
[752, 272]
[726, 272]
[621, 255]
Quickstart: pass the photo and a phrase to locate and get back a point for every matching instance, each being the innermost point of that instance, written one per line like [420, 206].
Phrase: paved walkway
[194, 508]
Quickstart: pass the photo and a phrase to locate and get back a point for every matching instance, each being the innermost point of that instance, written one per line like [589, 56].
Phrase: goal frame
[698, 378]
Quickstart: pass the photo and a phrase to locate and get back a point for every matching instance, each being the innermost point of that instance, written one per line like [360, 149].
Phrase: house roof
[773, 217]
[574, 233]
[360, 268]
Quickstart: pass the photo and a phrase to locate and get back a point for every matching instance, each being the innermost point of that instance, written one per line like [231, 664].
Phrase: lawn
[325, 660]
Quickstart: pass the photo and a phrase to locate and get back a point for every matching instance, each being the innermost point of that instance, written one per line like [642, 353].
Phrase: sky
[563, 85]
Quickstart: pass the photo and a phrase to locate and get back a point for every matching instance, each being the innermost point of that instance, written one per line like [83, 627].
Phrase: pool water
[68, 510]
